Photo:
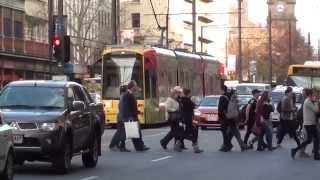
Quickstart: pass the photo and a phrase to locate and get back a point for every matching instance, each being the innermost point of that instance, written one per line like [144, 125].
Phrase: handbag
[132, 129]
[256, 129]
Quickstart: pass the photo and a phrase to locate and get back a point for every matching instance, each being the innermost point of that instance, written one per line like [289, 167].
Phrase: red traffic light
[56, 42]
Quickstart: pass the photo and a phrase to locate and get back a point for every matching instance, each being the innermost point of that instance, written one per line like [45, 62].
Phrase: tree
[89, 28]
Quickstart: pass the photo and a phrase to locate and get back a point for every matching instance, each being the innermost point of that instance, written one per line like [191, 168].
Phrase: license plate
[212, 118]
[17, 139]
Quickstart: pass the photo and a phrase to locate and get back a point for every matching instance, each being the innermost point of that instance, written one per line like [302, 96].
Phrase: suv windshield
[210, 101]
[32, 97]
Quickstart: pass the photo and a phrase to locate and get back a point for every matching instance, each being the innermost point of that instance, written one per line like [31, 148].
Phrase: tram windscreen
[118, 70]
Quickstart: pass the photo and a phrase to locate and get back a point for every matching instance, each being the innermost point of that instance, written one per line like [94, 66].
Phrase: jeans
[224, 130]
[119, 137]
[234, 131]
[266, 131]
[312, 135]
[288, 127]
[176, 131]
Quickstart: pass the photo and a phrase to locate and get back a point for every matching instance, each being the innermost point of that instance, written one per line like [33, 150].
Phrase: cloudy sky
[307, 13]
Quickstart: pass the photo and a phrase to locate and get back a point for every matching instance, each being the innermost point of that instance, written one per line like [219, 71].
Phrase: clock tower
[282, 12]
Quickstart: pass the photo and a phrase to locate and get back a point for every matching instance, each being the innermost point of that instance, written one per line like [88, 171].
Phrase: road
[159, 164]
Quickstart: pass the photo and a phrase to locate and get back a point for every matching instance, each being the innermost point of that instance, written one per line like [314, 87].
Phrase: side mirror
[78, 106]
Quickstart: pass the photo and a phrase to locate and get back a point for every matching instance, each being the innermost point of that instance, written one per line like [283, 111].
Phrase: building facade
[88, 25]
[138, 24]
[23, 41]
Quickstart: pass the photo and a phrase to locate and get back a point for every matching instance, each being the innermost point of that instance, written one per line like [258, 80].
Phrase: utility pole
[114, 24]
[309, 47]
[167, 25]
[290, 43]
[270, 43]
[194, 28]
[50, 31]
[239, 63]
[319, 50]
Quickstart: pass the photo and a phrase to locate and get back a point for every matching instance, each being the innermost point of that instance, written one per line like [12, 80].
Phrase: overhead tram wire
[161, 28]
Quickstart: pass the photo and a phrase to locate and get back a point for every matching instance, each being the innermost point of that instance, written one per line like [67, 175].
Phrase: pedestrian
[263, 112]
[233, 121]
[119, 138]
[187, 110]
[251, 114]
[175, 122]
[288, 111]
[301, 130]
[310, 111]
[131, 112]
[222, 111]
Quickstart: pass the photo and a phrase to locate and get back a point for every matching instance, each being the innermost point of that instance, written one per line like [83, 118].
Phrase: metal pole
[239, 63]
[162, 29]
[167, 25]
[50, 31]
[270, 44]
[201, 39]
[309, 47]
[114, 21]
[60, 16]
[290, 44]
[319, 50]
[194, 29]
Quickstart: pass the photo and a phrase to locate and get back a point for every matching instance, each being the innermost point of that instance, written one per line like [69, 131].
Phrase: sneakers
[163, 145]
[114, 149]
[124, 150]
[177, 147]
[303, 154]
[293, 153]
[196, 149]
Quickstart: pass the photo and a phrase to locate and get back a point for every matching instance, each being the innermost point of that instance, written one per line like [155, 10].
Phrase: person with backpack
[233, 120]
[287, 115]
[251, 114]
[222, 111]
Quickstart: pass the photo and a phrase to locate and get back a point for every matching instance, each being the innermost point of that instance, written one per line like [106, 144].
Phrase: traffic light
[66, 48]
[57, 49]
[61, 47]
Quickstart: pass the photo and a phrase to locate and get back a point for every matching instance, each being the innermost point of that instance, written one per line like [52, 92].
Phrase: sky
[307, 13]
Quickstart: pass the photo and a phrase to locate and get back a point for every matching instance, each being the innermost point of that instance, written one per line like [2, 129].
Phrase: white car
[6, 152]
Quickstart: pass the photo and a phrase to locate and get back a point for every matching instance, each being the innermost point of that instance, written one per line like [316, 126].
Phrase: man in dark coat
[131, 112]
[222, 111]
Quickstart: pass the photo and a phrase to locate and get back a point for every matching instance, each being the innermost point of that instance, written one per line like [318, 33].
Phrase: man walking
[131, 112]
[310, 109]
[251, 114]
[222, 111]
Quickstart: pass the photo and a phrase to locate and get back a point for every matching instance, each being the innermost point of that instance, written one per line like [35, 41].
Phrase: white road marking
[153, 135]
[160, 159]
[90, 178]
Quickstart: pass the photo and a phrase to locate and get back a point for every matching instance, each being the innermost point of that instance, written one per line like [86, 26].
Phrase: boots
[196, 149]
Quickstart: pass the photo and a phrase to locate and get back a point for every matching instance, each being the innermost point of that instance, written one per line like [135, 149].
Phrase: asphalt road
[159, 164]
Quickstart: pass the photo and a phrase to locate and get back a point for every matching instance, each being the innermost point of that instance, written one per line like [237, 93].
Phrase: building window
[18, 24]
[135, 20]
[7, 19]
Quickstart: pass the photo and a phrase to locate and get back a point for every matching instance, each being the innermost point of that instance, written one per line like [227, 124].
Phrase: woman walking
[191, 131]
[264, 109]
[175, 121]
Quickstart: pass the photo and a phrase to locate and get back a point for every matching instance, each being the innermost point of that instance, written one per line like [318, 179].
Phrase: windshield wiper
[50, 107]
[17, 106]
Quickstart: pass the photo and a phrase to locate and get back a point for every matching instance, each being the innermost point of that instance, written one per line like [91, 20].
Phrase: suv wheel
[62, 163]
[90, 159]
[8, 172]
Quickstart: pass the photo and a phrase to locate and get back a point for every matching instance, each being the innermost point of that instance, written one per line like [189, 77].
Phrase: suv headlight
[197, 113]
[48, 126]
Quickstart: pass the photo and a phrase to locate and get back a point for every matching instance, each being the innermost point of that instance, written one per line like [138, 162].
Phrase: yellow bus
[306, 76]
[156, 71]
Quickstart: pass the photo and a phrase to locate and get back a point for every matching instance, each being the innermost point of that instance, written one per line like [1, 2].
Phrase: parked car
[6, 152]
[53, 121]
[246, 88]
[206, 115]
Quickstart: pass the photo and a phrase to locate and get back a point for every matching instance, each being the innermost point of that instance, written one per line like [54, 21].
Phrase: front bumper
[38, 144]
[204, 122]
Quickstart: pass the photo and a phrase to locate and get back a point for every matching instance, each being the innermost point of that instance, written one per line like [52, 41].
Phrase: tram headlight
[197, 112]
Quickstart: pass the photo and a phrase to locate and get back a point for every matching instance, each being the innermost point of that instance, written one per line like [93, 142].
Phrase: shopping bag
[132, 129]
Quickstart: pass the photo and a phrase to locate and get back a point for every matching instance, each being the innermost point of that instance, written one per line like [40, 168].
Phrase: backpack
[243, 113]
[279, 107]
[232, 112]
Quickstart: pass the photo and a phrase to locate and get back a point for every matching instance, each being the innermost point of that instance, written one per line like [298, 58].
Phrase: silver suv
[6, 152]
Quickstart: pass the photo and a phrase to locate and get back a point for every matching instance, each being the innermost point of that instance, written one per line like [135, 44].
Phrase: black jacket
[130, 108]
[222, 107]
[187, 107]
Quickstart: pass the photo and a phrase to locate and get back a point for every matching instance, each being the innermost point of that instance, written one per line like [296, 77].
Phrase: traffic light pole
[60, 34]
[50, 31]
